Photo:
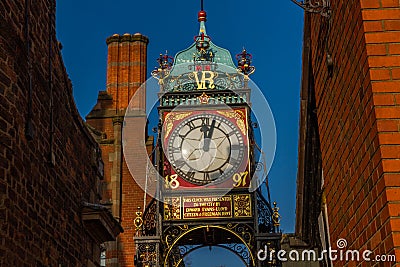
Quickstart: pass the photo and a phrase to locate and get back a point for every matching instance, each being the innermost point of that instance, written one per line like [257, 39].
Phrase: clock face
[206, 148]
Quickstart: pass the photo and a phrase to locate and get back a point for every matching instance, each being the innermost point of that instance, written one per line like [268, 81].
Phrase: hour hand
[208, 136]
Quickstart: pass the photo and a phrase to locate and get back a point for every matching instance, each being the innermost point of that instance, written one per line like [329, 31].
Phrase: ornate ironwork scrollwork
[259, 166]
[146, 254]
[150, 219]
[186, 82]
[172, 208]
[244, 231]
[321, 7]
[240, 250]
[175, 258]
[171, 233]
[265, 213]
[241, 242]
[242, 206]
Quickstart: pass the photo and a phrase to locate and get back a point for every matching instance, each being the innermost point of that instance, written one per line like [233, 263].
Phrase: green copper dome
[202, 62]
[221, 55]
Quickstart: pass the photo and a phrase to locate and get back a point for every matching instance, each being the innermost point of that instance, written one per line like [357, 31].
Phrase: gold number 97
[239, 179]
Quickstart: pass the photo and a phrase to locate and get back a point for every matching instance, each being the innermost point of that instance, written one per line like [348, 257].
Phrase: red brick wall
[40, 202]
[382, 35]
[132, 194]
[126, 71]
[126, 67]
[359, 121]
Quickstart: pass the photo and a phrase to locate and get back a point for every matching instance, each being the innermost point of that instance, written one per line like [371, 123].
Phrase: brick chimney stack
[126, 72]
[126, 68]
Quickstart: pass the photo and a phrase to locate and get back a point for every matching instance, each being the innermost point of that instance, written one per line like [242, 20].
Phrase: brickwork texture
[47, 166]
[126, 72]
[358, 108]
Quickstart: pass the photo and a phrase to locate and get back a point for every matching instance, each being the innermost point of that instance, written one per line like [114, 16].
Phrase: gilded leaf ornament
[239, 116]
[171, 117]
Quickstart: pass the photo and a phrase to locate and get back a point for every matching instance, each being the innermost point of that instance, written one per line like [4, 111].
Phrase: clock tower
[208, 193]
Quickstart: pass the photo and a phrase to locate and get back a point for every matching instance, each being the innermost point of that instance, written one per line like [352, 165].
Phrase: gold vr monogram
[206, 75]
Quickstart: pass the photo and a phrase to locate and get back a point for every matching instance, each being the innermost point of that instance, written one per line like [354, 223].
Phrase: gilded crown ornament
[244, 63]
[203, 44]
[163, 70]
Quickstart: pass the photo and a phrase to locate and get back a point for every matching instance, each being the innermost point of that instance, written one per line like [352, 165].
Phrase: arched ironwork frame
[150, 219]
[229, 247]
[244, 238]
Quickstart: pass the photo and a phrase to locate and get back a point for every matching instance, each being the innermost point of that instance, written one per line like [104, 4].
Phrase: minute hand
[207, 136]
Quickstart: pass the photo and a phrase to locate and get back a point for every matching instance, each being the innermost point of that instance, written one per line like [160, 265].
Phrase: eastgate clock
[207, 147]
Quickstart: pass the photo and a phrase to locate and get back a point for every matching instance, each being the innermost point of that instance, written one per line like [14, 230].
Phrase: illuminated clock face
[205, 148]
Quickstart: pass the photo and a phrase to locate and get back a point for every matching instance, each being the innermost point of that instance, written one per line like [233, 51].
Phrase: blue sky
[270, 30]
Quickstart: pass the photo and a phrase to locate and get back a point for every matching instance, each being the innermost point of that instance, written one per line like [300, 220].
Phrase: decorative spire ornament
[203, 40]
[138, 222]
[244, 65]
[276, 217]
[163, 70]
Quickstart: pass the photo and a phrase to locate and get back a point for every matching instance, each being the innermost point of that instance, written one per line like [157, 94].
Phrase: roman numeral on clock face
[202, 135]
[190, 174]
[180, 163]
[175, 149]
[230, 133]
[233, 161]
[191, 125]
[236, 147]
[205, 121]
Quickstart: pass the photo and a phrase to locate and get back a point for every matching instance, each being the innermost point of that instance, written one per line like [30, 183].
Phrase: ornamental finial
[244, 63]
[203, 40]
[202, 16]
[163, 69]
[276, 216]
[138, 222]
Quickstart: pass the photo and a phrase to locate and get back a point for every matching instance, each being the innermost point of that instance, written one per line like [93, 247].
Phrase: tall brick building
[349, 153]
[126, 71]
[50, 165]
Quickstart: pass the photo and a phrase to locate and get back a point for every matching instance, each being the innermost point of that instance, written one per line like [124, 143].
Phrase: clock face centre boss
[205, 147]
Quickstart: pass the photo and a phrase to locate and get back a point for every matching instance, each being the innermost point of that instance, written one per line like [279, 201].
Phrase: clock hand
[207, 138]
